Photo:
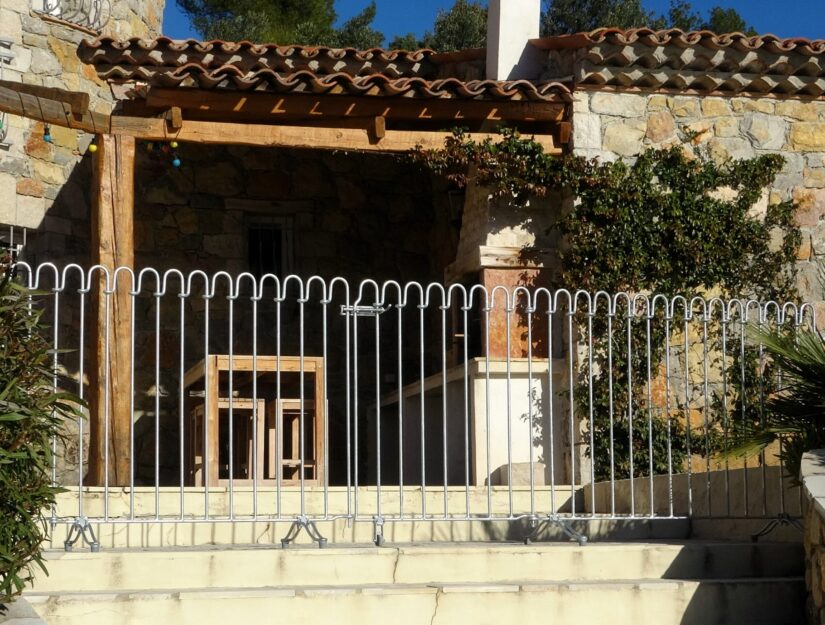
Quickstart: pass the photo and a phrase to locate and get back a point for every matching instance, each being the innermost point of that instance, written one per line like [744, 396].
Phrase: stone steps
[688, 582]
[250, 567]
[767, 601]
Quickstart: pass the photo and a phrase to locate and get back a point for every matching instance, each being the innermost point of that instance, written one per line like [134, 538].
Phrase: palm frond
[796, 413]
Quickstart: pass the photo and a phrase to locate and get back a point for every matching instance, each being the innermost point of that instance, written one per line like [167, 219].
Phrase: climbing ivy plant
[672, 221]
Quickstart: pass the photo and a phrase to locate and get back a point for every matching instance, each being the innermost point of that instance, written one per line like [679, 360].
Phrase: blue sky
[786, 18]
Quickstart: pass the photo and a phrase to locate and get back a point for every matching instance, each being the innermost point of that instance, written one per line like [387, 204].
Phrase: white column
[510, 26]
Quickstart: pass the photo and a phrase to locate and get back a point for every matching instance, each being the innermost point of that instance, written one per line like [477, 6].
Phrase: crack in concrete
[438, 593]
[395, 566]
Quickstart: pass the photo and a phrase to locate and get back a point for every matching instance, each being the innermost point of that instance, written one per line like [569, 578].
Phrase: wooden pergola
[366, 123]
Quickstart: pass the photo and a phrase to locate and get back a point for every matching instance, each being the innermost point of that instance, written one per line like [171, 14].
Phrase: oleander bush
[31, 418]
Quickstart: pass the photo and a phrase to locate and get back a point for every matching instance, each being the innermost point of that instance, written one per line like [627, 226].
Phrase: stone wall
[612, 125]
[356, 216]
[44, 186]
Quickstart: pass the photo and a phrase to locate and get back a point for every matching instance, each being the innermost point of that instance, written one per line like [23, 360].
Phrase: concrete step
[173, 534]
[768, 601]
[268, 501]
[743, 529]
[125, 571]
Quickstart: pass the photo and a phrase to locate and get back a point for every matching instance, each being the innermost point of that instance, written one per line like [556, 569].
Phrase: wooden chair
[243, 442]
[285, 417]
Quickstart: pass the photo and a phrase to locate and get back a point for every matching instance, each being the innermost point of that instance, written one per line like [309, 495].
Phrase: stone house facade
[38, 189]
[735, 97]
[625, 91]
[367, 212]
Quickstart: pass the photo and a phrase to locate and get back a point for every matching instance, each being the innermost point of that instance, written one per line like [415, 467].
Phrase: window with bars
[269, 247]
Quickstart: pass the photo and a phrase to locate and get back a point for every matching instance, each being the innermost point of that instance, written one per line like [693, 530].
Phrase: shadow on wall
[62, 237]
[754, 493]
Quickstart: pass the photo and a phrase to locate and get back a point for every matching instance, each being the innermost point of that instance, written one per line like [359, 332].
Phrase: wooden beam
[18, 102]
[78, 102]
[267, 107]
[153, 129]
[112, 247]
[565, 132]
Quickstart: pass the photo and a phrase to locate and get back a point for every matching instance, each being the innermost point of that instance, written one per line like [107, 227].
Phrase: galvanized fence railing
[300, 400]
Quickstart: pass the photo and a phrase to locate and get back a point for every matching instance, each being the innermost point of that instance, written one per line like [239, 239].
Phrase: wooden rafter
[57, 109]
[368, 133]
[239, 106]
[78, 102]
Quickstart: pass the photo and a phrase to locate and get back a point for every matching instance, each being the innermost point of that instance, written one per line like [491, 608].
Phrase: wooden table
[207, 389]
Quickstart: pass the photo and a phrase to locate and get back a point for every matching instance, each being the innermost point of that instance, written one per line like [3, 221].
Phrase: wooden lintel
[17, 101]
[234, 106]
[309, 137]
[78, 102]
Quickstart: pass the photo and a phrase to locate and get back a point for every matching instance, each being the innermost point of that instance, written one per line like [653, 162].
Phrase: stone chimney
[510, 26]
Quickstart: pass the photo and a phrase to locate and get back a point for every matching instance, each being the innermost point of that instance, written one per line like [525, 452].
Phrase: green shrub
[671, 221]
[31, 417]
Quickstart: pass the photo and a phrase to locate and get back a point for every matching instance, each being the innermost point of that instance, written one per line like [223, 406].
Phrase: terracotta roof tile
[698, 61]
[165, 52]
[675, 36]
[295, 69]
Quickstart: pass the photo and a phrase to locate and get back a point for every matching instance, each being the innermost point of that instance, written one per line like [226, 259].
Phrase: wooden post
[112, 247]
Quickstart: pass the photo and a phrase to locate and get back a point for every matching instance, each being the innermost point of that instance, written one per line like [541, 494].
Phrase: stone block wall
[44, 187]
[612, 125]
[356, 216]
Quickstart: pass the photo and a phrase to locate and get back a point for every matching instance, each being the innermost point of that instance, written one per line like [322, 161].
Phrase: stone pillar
[510, 26]
[508, 245]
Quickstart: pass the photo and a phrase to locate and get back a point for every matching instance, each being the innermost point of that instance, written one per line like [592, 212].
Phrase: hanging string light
[168, 149]
[175, 158]
[47, 133]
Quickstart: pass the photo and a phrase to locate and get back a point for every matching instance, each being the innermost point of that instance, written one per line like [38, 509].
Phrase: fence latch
[363, 311]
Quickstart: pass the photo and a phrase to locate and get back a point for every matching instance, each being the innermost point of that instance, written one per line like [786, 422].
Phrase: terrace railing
[214, 397]
[90, 14]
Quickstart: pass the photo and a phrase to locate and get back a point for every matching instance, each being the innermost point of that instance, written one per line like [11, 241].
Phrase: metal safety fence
[212, 397]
